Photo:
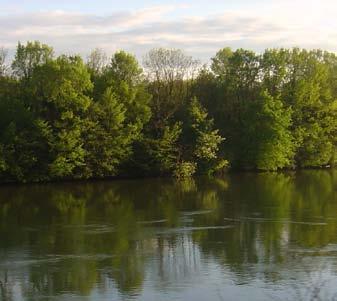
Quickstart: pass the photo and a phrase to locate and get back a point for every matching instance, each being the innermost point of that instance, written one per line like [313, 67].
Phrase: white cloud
[138, 31]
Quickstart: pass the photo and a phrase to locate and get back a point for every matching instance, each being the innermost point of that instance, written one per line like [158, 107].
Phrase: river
[244, 236]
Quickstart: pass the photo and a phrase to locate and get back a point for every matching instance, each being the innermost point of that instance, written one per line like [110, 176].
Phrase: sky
[199, 27]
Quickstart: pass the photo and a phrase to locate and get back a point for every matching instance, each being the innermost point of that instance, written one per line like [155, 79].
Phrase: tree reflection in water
[128, 238]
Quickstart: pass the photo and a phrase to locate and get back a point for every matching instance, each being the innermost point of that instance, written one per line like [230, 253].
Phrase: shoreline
[132, 178]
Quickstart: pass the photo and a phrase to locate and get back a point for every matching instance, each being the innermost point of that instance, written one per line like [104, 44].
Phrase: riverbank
[156, 177]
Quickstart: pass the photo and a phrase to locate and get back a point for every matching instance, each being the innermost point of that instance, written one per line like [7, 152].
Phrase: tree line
[63, 117]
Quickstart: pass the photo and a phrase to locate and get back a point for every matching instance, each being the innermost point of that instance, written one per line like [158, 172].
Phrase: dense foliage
[65, 118]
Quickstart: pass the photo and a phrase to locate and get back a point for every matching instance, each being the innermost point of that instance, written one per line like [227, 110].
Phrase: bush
[185, 170]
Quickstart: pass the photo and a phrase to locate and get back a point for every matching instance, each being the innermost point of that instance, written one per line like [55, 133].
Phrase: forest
[67, 117]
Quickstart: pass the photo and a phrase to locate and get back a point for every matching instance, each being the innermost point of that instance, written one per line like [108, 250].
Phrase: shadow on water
[260, 236]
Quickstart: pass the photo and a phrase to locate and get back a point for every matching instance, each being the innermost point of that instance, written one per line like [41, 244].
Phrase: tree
[118, 115]
[57, 93]
[269, 143]
[238, 72]
[108, 137]
[189, 145]
[200, 141]
[170, 72]
[179, 135]
[125, 77]
[238, 85]
[22, 148]
[163, 152]
[309, 91]
[97, 62]
[3, 66]
[274, 70]
[29, 56]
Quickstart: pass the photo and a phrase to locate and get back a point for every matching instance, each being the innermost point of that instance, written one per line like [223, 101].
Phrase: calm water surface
[241, 237]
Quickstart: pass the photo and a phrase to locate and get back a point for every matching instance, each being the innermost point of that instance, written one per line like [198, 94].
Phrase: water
[241, 237]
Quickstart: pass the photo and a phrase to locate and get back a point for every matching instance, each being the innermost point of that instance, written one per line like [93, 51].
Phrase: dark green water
[241, 237]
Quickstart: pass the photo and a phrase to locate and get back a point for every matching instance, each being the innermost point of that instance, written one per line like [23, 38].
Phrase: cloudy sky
[199, 27]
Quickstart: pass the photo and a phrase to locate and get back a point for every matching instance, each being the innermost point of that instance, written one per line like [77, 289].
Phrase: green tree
[159, 155]
[309, 92]
[118, 115]
[29, 56]
[108, 139]
[200, 141]
[269, 144]
[238, 86]
[21, 145]
[57, 93]
[125, 77]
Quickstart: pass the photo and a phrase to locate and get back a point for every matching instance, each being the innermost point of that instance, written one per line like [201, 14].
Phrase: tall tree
[107, 136]
[237, 83]
[309, 92]
[29, 56]
[3, 66]
[170, 72]
[200, 141]
[269, 143]
[118, 115]
[58, 99]
[22, 148]
[97, 62]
